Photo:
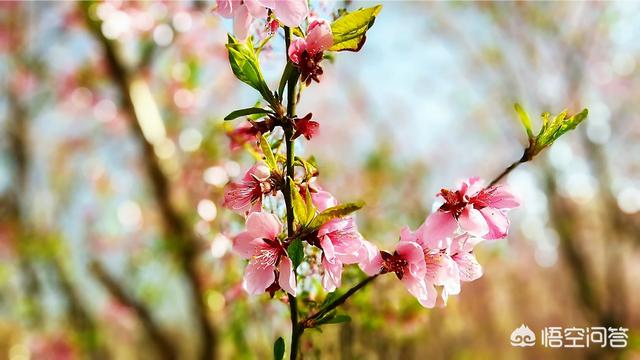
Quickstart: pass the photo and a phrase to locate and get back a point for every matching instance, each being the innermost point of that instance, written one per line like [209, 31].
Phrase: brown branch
[175, 226]
[164, 347]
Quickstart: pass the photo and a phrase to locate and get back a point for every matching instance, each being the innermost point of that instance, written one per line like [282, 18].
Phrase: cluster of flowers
[438, 254]
[307, 52]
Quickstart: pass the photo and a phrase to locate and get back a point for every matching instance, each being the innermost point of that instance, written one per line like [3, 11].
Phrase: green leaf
[278, 349]
[349, 30]
[246, 67]
[524, 119]
[244, 112]
[296, 252]
[552, 129]
[311, 209]
[288, 69]
[337, 319]
[299, 205]
[334, 213]
[268, 154]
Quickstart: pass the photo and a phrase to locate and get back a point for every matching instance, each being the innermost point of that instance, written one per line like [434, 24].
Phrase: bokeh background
[114, 155]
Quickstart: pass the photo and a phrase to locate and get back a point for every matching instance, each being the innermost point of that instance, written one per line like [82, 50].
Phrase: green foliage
[334, 213]
[332, 317]
[552, 128]
[296, 252]
[299, 205]
[349, 31]
[268, 154]
[247, 111]
[246, 67]
[278, 349]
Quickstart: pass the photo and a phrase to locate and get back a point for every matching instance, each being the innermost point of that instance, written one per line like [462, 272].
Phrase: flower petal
[263, 225]
[438, 226]
[332, 277]
[241, 22]
[245, 244]
[256, 8]
[287, 278]
[502, 198]
[291, 12]
[472, 221]
[468, 266]
[371, 261]
[257, 277]
[498, 223]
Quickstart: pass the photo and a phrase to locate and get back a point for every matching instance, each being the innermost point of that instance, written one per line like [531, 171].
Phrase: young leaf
[524, 119]
[246, 67]
[288, 69]
[334, 213]
[558, 126]
[278, 349]
[268, 154]
[296, 252]
[299, 205]
[244, 112]
[311, 209]
[349, 30]
[336, 319]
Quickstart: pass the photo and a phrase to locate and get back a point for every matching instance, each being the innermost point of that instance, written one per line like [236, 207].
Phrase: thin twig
[164, 347]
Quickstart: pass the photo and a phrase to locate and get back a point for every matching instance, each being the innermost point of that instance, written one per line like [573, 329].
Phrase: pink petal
[417, 287]
[502, 198]
[332, 277]
[291, 12]
[257, 277]
[245, 244]
[438, 226]
[414, 255]
[263, 225]
[327, 248]
[319, 37]
[256, 8]
[224, 8]
[468, 266]
[242, 22]
[371, 261]
[322, 199]
[473, 186]
[472, 221]
[497, 221]
[287, 278]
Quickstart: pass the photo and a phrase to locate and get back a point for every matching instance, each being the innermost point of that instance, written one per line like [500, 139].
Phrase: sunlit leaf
[349, 30]
[268, 154]
[334, 213]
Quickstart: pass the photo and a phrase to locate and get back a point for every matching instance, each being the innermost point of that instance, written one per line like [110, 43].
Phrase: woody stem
[296, 330]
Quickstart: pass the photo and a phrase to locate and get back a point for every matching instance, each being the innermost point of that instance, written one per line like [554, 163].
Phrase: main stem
[296, 330]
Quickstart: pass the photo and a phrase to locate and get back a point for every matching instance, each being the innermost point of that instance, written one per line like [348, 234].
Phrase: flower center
[394, 263]
[455, 202]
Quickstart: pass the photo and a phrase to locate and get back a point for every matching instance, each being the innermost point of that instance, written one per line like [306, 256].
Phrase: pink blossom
[407, 262]
[307, 53]
[340, 241]
[267, 257]
[448, 262]
[478, 211]
[290, 12]
[245, 197]
[241, 135]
